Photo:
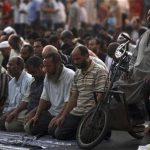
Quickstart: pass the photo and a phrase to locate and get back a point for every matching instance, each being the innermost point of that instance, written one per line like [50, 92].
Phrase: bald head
[13, 40]
[48, 50]
[82, 50]
[80, 57]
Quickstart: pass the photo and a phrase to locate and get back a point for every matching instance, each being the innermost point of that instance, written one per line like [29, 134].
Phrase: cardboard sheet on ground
[24, 140]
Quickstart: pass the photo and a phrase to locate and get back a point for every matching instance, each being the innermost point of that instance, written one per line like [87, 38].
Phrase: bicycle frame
[109, 85]
[117, 68]
[99, 120]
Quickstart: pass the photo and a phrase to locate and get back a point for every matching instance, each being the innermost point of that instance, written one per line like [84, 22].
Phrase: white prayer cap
[9, 30]
[4, 44]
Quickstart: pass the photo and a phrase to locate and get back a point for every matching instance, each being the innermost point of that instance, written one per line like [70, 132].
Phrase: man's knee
[51, 131]
[2, 126]
[29, 129]
[59, 134]
[14, 126]
[65, 134]
[37, 129]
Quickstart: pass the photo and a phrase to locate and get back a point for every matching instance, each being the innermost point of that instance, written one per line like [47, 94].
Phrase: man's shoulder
[148, 30]
[26, 78]
[68, 74]
[27, 75]
[98, 67]
[4, 74]
[68, 71]
[99, 63]
[146, 33]
[2, 70]
[12, 81]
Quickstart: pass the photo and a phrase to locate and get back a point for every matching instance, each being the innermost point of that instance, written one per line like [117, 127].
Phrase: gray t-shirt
[74, 16]
[58, 92]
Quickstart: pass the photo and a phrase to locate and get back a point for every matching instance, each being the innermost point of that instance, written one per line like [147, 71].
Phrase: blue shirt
[17, 90]
[33, 11]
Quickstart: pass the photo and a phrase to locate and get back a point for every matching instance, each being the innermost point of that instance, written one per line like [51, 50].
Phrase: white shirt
[17, 90]
[83, 16]
[24, 16]
[108, 62]
[58, 92]
[60, 15]
[16, 14]
[13, 54]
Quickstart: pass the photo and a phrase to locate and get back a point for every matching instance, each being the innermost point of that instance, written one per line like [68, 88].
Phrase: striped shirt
[4, 80]
[93, 80]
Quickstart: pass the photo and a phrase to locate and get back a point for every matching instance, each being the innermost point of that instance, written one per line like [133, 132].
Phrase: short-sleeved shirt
[58, 92]
[93, 80]
[17, 90]
[33, 93]
[74, 16]
[4, 80]
[46, 5]
[33, 9]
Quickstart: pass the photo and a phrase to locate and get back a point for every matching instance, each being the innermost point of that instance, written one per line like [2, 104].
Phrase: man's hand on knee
[11, 116]
[34, 120]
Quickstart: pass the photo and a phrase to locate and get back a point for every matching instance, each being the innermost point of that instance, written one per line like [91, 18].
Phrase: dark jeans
[67, 131]
[146, 93]
[2, 121]
[41, 127]
[2, 125]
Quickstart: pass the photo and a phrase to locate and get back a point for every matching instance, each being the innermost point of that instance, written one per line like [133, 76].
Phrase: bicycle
[110, 113]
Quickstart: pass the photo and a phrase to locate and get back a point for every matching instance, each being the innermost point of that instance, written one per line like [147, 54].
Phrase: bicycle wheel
[137, 131]
[92, 129]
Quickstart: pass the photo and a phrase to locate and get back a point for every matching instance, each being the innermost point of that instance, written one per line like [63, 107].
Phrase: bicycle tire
[90, 135]
[137, 131]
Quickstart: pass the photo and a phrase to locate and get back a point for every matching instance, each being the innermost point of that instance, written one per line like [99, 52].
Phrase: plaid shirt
[93, 80]
[4, 80]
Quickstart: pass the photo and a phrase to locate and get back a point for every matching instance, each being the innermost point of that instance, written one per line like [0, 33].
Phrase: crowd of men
[44, 93]
[47, 81]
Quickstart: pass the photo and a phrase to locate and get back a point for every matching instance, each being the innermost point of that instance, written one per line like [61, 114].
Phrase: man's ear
[41, 66]
[87, 55]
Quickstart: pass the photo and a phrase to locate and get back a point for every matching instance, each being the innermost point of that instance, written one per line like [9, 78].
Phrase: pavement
[119, 141]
